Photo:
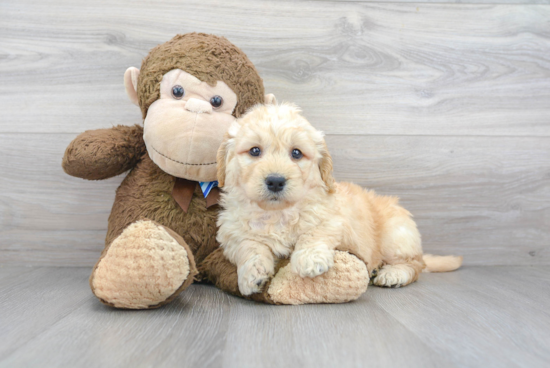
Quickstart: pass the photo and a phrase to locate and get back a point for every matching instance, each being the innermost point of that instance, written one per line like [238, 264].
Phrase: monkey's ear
[270, 99]
[221, 159]
[130, 83]
[325, 167]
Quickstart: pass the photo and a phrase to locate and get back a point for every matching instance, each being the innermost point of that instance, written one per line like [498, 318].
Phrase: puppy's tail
[441, 263]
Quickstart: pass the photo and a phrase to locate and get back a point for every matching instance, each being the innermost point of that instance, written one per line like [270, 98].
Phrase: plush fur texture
[104, 153]
[209, 58]
[157, 260]
[311, 216]
[141, 266]
[145, 194]
[346, 281]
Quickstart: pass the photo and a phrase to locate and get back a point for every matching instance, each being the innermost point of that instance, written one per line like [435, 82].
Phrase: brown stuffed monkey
[162, 228]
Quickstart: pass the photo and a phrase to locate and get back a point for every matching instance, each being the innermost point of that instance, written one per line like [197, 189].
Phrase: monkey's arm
[104, 153]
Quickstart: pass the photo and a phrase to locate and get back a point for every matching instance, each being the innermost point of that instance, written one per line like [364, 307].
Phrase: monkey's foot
[144, 267]
[347, 280]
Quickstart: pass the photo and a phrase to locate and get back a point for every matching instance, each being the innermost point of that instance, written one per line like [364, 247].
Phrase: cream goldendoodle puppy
[281, 200]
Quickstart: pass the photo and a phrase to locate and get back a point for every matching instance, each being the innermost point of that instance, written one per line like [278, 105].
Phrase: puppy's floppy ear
[325, 167]
[222, 156]
[222, 161]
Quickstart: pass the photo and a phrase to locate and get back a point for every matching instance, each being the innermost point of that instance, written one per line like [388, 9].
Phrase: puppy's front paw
[312, 262]
[254, 274]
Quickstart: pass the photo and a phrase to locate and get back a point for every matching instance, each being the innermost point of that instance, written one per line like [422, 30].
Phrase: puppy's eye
[216, 101]
[178, 92]
[297, 154]
[255, 151]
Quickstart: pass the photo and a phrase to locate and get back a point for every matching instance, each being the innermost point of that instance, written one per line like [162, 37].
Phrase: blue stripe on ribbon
[206, 187]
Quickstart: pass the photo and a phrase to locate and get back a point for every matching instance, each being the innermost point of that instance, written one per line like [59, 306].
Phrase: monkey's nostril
[275, 183]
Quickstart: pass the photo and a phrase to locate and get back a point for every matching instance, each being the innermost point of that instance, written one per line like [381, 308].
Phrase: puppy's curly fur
[309, 215]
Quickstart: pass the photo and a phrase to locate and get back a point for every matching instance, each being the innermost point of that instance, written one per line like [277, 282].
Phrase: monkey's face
[185, 126]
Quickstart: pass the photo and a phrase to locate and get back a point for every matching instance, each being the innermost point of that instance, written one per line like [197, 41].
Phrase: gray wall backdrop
[444, 104]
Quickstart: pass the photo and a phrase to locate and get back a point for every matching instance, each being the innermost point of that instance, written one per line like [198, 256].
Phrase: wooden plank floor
[494, 316]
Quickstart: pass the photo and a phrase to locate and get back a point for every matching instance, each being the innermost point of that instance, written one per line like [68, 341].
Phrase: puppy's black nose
[275, 183]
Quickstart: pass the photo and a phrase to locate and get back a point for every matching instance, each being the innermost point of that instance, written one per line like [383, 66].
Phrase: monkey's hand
[104, 153]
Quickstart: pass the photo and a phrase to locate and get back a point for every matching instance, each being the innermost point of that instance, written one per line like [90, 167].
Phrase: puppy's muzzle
[275, 183]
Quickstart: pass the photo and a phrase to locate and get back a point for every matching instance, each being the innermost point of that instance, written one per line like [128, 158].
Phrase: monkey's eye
[178, 92]
[255, 151]
[297, 154]
[216, 101]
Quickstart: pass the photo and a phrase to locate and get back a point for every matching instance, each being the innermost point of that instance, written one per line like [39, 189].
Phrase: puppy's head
[274, 156]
